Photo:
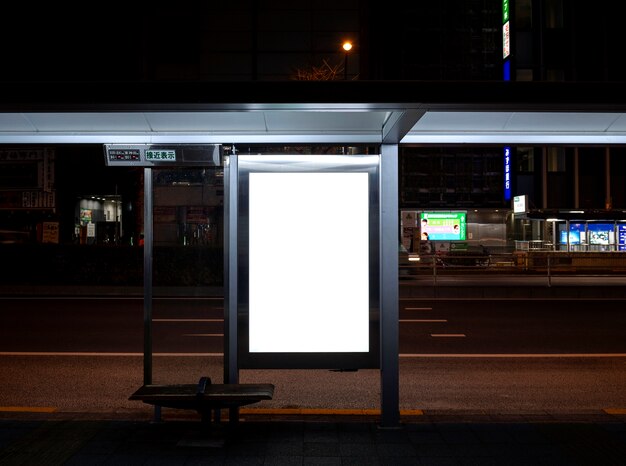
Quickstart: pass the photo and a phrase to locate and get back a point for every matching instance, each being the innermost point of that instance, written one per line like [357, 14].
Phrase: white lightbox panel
[308, 262]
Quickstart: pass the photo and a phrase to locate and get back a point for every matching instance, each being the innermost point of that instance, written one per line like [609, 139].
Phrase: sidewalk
[594, 438]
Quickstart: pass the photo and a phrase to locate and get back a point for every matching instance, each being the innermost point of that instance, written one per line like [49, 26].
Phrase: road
[86, 355]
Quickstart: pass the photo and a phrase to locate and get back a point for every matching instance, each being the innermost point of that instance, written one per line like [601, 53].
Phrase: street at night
[491, 355]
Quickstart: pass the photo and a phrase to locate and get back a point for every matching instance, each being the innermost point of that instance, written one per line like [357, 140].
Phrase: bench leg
[233, 415]
[205, 414]
[157, 414]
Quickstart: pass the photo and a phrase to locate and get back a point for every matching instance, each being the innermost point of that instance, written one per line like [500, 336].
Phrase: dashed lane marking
[108, 355]
[410, 321]
[187, 320]
[513, 355]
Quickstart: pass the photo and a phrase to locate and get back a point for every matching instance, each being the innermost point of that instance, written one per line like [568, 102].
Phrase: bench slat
[185, 396]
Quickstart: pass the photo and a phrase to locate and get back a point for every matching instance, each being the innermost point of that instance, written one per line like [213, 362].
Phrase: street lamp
[347, 46]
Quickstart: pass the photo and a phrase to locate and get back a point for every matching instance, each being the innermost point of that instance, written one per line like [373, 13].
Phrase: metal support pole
[544, 178]
[147, 276]
[576, 180]
[148, 241]
[389, 287]
[231, 208]
[608, 201]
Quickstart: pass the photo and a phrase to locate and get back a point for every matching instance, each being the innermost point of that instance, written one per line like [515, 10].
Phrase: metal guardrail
[537, 262]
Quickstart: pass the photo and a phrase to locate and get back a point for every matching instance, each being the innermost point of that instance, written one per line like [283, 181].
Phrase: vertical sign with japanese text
[507, 173]
[506, 41]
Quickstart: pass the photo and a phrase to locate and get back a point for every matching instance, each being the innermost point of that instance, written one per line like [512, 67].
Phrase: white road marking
[422, 320]
[98, 354]
[513, 355]
[123, 298]
[402, 355]
[187, 320]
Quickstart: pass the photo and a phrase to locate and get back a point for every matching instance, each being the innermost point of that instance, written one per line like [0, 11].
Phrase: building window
[525, 159]
[555, 75]
[523, 14]
[524, 75]
[553, 13]
[556, 159]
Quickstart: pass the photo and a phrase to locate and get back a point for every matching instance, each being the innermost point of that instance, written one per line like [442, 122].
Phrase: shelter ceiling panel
[90, 122]
[207, 121]
[561, 121]
[333, 121]
[15, 122]
[462, 121]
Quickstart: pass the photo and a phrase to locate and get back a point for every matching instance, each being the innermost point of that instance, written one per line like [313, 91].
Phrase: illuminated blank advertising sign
[311, 261]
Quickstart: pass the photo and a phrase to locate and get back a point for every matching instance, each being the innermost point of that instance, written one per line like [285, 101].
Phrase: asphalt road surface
[85, 355]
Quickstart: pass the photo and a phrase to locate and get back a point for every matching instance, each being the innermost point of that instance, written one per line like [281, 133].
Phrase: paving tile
[420, 438]
[395, 450]
[199, 460]
[87, 459]
[438, 461]
[360, 461]
[285, 449]
[357, 449]
[321, 461]
[244, 461]
[283, 461]
[321, 449]
[322, 436]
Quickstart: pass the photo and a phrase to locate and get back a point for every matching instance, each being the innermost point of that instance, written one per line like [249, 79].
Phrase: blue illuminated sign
[621, 234]
[575, 231]
[599, 233]
[507, 173]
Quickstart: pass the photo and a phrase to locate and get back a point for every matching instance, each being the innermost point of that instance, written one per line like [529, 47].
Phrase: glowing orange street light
[347, 46]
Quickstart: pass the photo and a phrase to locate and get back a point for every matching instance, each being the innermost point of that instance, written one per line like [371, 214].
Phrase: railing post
[549, 276]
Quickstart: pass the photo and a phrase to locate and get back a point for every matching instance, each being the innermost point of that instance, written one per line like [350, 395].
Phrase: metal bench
[204, 397]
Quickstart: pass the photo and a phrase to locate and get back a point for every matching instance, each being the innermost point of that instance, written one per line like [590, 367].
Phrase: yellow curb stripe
[324, 412]
[27, 409]
[621, 411]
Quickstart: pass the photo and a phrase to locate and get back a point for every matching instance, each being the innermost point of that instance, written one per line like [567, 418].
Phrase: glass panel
[187, 324]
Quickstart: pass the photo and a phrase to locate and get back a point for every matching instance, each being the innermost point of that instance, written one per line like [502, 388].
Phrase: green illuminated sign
[505, 11]
[161, 155]
[443, 226]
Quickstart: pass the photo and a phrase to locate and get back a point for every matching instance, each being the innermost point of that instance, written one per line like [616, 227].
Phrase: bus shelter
[151, 124]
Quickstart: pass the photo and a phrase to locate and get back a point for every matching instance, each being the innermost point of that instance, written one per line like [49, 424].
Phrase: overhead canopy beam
[399, 124]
